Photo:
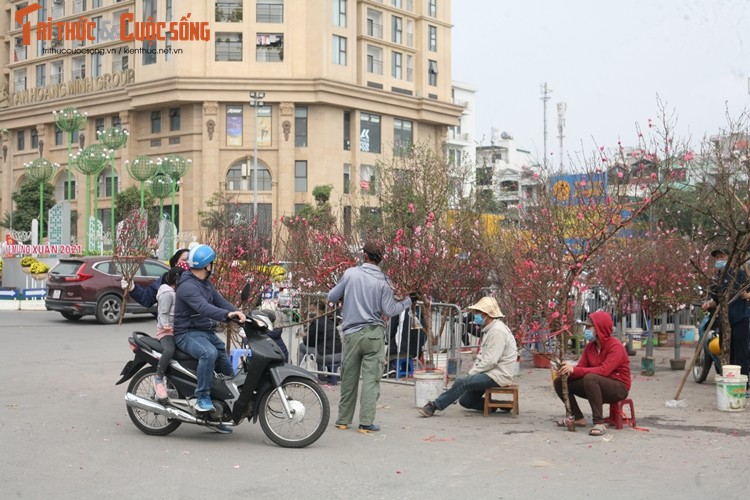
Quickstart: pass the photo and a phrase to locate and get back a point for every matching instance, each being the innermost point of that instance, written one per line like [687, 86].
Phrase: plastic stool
[617, 416]
[236, 355]
[404, 367]
[508, 405]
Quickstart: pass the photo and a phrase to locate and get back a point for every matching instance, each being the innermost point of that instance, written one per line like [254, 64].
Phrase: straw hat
[488, 305]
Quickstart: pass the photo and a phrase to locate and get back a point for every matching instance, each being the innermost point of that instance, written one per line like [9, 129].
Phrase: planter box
[542, 359]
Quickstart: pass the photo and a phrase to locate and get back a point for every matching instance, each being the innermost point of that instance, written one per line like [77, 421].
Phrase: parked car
[80, 286]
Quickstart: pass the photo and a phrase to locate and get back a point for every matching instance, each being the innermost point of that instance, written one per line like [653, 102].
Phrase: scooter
[706, 359]
[292, 408]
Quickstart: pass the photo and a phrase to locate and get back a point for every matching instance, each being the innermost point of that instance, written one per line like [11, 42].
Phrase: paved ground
[65, 433]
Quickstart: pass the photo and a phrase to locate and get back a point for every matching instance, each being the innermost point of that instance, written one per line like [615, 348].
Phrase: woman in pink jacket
[602, 375]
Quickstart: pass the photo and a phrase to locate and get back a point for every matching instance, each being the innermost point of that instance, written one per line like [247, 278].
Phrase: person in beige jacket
[493, 367]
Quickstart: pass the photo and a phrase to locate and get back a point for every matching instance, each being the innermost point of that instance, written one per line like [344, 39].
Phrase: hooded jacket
[611, 361]
[497, 353]
[165, 317]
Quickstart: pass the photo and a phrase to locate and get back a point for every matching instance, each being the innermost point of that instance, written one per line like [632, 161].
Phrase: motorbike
[292, 408]
[706, 359]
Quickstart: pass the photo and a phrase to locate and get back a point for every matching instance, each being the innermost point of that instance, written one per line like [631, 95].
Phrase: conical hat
[488, 305]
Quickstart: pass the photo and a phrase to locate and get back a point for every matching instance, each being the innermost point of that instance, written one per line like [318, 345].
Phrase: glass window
[72, 189]
[149, 46]
[432, 73]
[56, 72]
[79, 6]
[300, 127]
[300, 176]
[116, 123]
[369, 135]
[368, 180]
[79, 68]
[99, 125]
[269, 11]
[347, 177]
[396, 65]
[339, 13]
[20, 140]
[98, 29]
[403, 135]
[374, 23]
[34, 138]
[228, 47]
[58, 136]
[269, 47]
[116, 17]
[234, 125]
[155, 122]
[347, 130]
[96, 64]
[19, 79]
[104, 183]
[240, 176]
[374, 60]
[95, 4]
[228, 11]
[396, 3]
[41, 75]
[432, 8]
[397, 26]
[409, 68]
[432, 38]
[409, 33]
[339, 50]
[174, 119]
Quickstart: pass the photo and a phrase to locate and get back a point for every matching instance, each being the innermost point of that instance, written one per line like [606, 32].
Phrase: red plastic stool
[617, 416]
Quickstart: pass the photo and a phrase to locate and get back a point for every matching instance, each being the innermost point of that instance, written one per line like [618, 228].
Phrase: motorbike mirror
[245, 293]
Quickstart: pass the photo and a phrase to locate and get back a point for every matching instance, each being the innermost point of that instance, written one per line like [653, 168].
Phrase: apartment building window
[369, 135]
[228, 47]
[56, 71]
[19, 51]
[234, 125]
[339, 13]
[99, 125]
[432, 38]
[116, 23]
[409, 68]
[98, 28]
[409, 33]
[174, 119]
[79, 67]
[58, 9]
[41, 47]
[397, 27]
[240, 176]
[300, 127]
[339, 50]
[149, 46]
[269, 11]
[58, 136]
[484, 176]
[228, 11]
[403, 135]
[432, 73]
[300, 176]
[20, 140]
[396, 65]
[95, 4]
[43, 11]
[374, 60]
[168, 37]
[374, 23]
[105, 182]
[269, 47]
[65, 189]
[347, 130]
[19, 79]
[41, 75]
[34, 138]
[96, 64]
[155, 122]
[116, 122]
[79, 6]
[396, 3]
[432, 8]
[347, 177]
[368, 180]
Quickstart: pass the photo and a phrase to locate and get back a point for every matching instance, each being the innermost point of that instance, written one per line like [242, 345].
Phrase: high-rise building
[344, 82]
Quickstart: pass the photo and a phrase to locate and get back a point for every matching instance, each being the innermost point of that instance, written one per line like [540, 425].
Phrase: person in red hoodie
[602, 375]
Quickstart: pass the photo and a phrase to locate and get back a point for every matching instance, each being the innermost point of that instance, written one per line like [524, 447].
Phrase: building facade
[344, 82]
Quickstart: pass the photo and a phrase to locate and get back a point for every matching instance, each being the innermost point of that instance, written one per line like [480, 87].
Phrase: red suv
[80, 286]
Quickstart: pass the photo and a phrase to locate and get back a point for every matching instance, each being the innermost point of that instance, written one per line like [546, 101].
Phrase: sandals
[578, 423]
[598, 430]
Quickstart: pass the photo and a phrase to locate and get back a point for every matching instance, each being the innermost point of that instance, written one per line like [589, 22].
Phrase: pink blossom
[411, 207]
[620, 174]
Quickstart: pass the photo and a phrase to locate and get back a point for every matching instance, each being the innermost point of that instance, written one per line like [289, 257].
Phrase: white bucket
[730, 371]
[730, 393]
[427, 386]
[637, 335]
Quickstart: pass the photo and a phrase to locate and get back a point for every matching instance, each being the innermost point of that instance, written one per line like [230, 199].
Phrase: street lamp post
[256, 101]
[142, 168]
[41, 170]
[114, 138]
[175, 167]
[161, 186]
[70, 120]
[90, 161]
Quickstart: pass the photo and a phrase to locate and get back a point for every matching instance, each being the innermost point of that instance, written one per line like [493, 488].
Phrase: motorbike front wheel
[310, 413]
[142, 385]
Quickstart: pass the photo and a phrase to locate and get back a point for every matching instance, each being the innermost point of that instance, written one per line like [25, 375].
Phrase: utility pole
[546, 91]
[561, 107]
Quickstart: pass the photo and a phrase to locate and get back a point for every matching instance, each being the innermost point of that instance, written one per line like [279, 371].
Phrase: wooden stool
[508, 405]
[617, 416]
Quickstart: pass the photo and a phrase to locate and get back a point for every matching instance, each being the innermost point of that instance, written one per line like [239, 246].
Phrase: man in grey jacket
[493, 367]
[368, 299]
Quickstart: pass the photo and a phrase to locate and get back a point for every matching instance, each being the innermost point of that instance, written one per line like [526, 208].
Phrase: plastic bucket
[427, 386]
[730, 371]
[730, 393]
[636, 335]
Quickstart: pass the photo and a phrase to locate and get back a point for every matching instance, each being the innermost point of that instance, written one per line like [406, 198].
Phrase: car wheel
[71, 316]
[108, 309]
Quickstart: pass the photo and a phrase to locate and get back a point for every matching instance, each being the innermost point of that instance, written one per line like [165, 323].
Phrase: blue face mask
[478, 319]
[589, 335]
[720, 264]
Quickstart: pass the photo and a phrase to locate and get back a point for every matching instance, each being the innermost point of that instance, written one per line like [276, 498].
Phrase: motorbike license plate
[56, 294]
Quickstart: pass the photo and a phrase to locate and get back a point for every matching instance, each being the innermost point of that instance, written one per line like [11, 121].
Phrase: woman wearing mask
[602, 375]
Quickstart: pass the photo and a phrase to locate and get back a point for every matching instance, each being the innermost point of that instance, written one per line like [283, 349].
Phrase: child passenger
[165, 298]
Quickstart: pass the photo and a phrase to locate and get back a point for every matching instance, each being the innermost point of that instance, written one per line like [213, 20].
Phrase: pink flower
[411, 207]
[620, 174]
[580, 216]
[551, 304]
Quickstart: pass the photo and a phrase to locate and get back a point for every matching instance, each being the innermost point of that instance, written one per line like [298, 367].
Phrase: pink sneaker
[161, 389]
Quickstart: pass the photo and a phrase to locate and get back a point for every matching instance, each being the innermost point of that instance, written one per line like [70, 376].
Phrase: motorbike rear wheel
[311, 412]
[702, 367]
[142, 385]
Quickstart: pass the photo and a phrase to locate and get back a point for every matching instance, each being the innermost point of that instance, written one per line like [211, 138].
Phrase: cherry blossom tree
[132, 246]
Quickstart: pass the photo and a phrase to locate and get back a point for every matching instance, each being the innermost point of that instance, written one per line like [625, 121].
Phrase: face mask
[720, 264]
[209, 271]
[478, 319]
[589, 335]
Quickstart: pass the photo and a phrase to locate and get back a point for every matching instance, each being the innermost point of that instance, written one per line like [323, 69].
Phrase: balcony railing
[269, 13]
[375, 66]
[79, 74]
[228, 12]
[374, 30]
[19, 84]
[56, 77]
[120, 65]
[20, 54]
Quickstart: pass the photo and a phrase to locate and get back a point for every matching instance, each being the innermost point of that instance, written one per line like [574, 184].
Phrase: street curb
[22, 305]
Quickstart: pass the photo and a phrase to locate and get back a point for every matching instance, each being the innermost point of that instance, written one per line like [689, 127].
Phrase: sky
[608, 60]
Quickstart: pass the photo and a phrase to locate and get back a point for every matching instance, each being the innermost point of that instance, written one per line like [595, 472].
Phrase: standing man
[198, 308]
[492, 368]
[368, 298]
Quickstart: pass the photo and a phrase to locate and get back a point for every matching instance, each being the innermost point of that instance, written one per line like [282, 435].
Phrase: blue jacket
[739, 309]
[198, 306]
[145, 296]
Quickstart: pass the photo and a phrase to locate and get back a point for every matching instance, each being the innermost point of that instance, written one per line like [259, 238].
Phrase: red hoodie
[612, 361]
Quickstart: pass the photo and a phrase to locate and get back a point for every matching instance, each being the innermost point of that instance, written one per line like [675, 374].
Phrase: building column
[207, 173]
[283, 176]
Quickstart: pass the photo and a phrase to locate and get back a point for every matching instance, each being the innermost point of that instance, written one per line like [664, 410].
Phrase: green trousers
[364, 352]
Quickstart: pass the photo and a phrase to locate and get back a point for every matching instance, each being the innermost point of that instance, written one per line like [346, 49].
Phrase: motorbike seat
[145, 340]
